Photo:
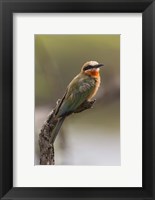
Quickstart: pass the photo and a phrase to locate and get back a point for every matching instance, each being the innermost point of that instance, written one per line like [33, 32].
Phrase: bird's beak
[99, 65]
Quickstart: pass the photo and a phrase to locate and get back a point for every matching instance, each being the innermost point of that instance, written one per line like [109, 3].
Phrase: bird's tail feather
[56, 129]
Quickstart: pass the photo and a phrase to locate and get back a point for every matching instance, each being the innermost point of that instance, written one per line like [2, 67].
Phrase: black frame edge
[37, 6]
[1, 190]
[6, 171]
[153, 99]
[6, 164]
[148, 98]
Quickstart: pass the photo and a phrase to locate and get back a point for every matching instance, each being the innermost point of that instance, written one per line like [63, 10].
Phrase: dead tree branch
[45, 136]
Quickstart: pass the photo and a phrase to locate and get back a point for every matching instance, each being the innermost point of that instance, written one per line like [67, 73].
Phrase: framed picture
[64, 58]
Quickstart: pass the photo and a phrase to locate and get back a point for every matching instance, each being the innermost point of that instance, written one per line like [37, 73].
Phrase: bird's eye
[87, 67]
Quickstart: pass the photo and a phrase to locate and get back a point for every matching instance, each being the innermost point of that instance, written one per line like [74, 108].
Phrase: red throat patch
[93, 73]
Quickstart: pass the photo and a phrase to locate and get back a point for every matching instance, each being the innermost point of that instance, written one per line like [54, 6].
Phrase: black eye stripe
[87, 67]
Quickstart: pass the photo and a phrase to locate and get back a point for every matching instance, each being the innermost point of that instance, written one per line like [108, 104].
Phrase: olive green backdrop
[93, 136]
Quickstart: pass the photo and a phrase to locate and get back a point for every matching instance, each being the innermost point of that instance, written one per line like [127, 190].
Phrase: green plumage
[79, 89]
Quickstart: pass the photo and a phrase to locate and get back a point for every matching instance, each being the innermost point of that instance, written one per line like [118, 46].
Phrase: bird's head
[91, 68]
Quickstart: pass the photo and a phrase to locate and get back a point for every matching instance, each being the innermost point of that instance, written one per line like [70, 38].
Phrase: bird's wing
[76, 94]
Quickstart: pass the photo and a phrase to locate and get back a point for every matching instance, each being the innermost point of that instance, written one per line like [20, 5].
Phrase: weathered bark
[45, 136]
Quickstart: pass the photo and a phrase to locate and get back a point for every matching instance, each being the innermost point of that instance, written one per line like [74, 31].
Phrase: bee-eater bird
[81, 89]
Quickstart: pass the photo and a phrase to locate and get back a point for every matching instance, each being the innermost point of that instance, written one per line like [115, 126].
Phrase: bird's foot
[86, 105]
[91, 103]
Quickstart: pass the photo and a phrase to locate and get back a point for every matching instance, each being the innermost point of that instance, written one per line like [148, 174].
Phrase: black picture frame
[7, 8]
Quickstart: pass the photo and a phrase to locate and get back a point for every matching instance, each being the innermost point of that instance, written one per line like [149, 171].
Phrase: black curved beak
[99, 65]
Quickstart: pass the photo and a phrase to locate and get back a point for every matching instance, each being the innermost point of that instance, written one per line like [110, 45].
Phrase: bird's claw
[86, 105]
[92, 102]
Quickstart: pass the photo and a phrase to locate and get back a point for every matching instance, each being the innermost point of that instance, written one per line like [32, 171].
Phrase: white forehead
[93, 63]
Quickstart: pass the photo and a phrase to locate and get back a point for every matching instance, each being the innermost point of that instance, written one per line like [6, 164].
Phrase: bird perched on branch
[80, 90]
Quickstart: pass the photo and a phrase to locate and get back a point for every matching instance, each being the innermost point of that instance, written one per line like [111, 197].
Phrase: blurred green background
[93, 136]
